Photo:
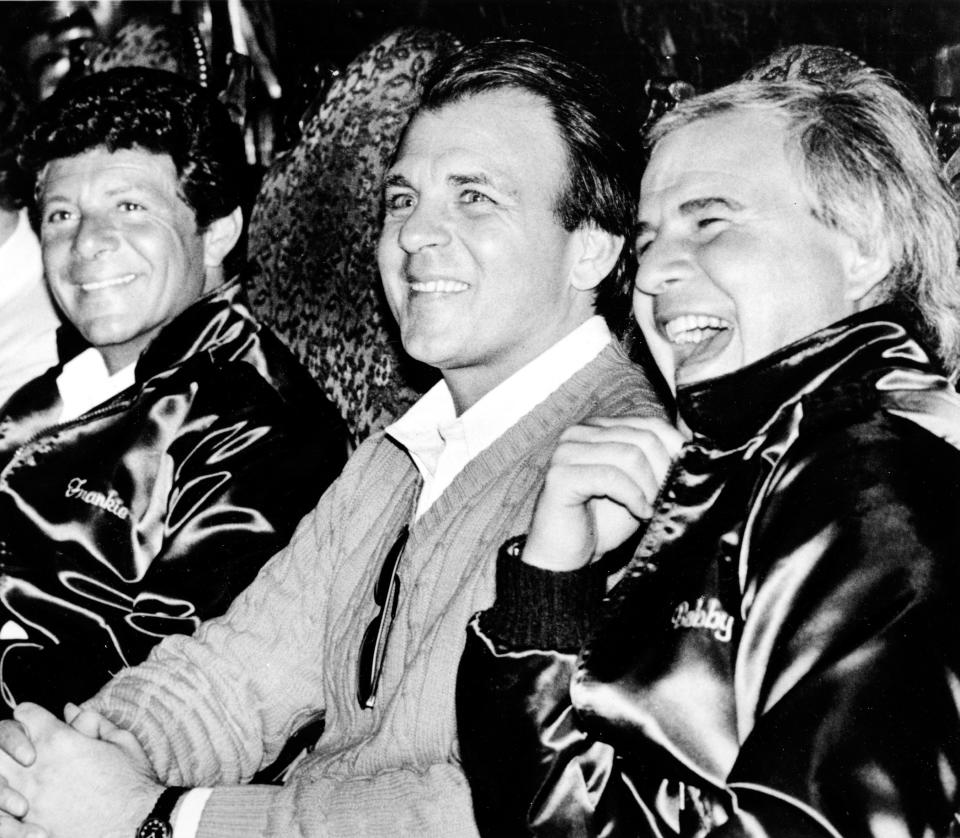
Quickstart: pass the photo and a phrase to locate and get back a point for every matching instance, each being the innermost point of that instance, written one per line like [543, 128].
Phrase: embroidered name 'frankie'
[712, 618]
[109, 502]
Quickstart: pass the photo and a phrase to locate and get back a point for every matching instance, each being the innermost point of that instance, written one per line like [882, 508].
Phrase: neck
[116, 358]
[471, 383]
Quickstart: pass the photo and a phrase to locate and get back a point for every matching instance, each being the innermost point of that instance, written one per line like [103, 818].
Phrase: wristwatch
[157, 823]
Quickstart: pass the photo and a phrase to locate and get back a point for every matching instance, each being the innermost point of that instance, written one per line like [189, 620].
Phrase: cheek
[54, 254]
[389, 264]
[659, 348]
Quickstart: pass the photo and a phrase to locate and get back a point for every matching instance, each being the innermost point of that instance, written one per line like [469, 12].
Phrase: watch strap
[157, 824]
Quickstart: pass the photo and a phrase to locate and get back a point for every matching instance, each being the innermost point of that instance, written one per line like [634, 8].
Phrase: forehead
[742, 154]
[508, 134]
[100, 168]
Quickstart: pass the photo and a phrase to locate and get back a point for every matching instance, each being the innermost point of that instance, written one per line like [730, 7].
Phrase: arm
[514, 679]
[218, 706]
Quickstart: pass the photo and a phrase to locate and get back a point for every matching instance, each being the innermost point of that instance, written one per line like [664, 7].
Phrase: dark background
[705, 42]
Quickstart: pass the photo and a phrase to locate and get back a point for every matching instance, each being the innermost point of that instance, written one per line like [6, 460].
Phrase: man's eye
[641, 245]
[472, 196]
[56, 216]
[398, 201]
[704, 223]
[130, 206]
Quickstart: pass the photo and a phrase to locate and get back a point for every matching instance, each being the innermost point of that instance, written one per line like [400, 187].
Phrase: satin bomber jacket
[152, 511]
[781, 654]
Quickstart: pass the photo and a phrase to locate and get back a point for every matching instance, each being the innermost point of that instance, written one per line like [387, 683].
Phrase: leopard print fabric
[805, 61]
[313, 232]
[163, 43]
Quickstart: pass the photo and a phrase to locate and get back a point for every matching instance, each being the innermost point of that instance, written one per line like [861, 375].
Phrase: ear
[220, 237]
[867, 265]
[595, 254]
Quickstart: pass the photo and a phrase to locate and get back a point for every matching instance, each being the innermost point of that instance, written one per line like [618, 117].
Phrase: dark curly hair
[14, 183]
[153, 110]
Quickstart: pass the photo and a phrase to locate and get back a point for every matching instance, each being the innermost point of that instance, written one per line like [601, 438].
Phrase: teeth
[439, 286]
[107, 283]
[693, 328]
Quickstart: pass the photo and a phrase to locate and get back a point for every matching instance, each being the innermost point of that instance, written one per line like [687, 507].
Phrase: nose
[664, 262]
[95, 236]
[425, 226]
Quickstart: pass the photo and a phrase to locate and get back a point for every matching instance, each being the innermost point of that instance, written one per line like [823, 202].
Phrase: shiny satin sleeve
[847, 669]
[532, 769]
[244, 468]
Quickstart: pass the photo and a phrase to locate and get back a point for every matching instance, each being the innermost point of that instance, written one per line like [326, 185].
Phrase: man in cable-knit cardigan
[505, 214]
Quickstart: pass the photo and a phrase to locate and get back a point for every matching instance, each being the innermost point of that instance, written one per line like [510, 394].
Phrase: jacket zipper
[95, 413]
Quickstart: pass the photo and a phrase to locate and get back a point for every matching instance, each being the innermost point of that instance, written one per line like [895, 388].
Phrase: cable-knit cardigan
[212, 709]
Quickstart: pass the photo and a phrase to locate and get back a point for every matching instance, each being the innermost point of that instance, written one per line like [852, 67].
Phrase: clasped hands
[602, 483]
[81, 777]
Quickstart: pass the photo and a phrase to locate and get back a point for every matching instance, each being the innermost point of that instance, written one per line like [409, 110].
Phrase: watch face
[155, 828]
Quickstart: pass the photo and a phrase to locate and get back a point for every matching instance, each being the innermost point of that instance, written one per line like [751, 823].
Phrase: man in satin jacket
[147, 478]
[774, 652]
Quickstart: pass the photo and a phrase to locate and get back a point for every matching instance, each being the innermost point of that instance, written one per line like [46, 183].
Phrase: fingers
[12, 802]
[87, 722]
[12, 828]
[671, 436]
[16, 742]
[92, 724]
[603, 480]
[642, 450]
[579, 480]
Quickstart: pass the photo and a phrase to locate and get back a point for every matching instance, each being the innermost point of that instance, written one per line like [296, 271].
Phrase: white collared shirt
[442, 443]
[85, 382]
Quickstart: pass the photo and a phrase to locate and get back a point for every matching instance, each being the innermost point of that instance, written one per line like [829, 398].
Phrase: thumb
[91, 723]
[96, 726]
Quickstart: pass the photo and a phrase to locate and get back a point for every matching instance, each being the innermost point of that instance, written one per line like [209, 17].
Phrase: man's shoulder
[613, 385]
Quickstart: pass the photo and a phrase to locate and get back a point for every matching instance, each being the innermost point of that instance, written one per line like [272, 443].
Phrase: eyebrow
[111, 192]
[700, 204]
[395, 180]
[466, 179]
[696, 206]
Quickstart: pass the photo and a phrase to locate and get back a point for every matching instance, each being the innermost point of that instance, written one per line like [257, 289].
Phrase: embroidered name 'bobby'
[712, 618]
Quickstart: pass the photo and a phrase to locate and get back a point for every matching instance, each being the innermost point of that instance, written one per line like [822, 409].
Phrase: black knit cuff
[541, 609]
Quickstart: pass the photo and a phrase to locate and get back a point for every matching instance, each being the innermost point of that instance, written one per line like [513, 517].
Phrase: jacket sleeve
[532, 770]
[242, 468]
[847, 667]
[218, 706]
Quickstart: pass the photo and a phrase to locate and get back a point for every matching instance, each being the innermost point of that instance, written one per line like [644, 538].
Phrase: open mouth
[438, 286]
[694, 328]
[107, 283]
[696, 338]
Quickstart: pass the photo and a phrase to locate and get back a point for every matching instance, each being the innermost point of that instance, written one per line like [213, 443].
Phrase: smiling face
[121, 250]
[733, 265]
[476, 267]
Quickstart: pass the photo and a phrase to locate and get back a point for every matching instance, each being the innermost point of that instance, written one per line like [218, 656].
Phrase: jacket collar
[731, 408]
[215, 320]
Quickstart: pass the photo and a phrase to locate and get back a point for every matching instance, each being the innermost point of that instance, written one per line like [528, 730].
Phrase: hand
[602, 482]
[77, 785]
[15, 743]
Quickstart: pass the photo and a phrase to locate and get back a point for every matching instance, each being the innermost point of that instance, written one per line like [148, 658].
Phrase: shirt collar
[85, 382]
[424, 427]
